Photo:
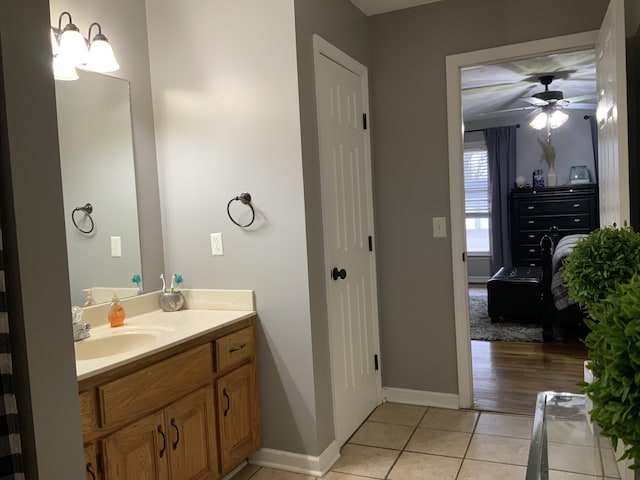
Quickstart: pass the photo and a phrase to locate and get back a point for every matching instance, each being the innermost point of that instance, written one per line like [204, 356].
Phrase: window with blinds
[476, 199]
[476, 182]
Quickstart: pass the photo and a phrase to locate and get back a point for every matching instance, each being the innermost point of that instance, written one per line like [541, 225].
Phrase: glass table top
[563, 440]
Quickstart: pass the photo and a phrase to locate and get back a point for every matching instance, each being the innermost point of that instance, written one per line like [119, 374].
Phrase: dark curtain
[10, 447]
[501, 147]
[593, 123]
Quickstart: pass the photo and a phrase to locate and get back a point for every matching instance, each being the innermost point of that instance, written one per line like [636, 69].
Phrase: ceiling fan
[549, 104]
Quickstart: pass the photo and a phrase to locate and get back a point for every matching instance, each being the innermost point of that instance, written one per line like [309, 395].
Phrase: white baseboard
[478, 279]
[297, 462]
[421, 397]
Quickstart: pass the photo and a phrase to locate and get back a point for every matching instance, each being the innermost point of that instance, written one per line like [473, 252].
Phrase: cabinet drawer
[546, 222]
[530, 251]
[234, 348]
[154, 387]
[568, 206]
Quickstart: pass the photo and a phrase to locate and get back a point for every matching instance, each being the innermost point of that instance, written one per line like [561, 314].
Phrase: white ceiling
[374, 7]
[488, 90]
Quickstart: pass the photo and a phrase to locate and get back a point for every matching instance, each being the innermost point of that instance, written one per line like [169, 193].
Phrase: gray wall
[411, 165]
[343, 25]
[227, 126]
[34, 244]
[124, 24]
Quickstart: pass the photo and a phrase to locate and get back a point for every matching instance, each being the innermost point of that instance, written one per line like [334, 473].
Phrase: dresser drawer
[153, 387]
[234, 348]
[567, 206]
[560, 221]
[530, 251]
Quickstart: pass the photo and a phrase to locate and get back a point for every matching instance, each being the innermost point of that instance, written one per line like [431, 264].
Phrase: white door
[347, 205]
[613, 148]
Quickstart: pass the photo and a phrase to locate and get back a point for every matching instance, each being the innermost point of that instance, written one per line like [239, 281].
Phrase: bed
[557, 306]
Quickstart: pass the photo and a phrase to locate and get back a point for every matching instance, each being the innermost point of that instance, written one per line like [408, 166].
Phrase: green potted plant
[614, 359]
[603, 275]
[599, 262]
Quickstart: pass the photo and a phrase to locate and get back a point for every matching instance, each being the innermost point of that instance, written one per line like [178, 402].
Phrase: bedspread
[561, 297]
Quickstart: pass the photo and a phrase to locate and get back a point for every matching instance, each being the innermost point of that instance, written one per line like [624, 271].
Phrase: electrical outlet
[439, 227]
[116, 247]
[216, 244]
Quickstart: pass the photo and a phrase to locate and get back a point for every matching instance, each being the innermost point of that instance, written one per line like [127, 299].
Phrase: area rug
[505, 330]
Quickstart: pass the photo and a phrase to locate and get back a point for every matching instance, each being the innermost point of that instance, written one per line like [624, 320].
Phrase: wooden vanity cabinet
[179, 424]
[91, 462]
[177, 443]
[237, 416]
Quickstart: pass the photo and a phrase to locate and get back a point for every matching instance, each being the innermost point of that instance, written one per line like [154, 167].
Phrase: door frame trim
[322, 47]
[455, 127]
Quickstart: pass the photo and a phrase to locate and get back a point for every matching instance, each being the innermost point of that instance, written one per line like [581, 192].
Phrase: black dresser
[571, 208]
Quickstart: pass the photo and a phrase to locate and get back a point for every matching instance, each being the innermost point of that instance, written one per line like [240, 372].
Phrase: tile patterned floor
[405, 442]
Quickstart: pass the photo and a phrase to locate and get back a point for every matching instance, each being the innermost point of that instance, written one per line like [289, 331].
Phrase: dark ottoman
[515, 292]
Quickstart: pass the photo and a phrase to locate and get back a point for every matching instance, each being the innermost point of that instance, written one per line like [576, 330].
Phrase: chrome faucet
[80, 329]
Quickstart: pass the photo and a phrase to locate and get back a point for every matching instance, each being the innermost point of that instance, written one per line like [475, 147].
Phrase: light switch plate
[116, 247]
[216, 244]
[439, 227]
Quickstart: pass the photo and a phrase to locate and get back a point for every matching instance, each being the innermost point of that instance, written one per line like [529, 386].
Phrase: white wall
[225, 93]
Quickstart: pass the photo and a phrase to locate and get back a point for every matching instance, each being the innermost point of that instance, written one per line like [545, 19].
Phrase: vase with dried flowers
[549, 156]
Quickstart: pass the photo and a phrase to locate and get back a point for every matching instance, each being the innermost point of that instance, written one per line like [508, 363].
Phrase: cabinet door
[238, 418]
[139, 451]
[191, 437]
[91, 462]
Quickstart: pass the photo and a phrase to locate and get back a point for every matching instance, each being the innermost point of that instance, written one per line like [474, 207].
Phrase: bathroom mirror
[96, 156]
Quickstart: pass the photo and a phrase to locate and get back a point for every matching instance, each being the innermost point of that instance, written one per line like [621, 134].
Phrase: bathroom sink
[114, 344]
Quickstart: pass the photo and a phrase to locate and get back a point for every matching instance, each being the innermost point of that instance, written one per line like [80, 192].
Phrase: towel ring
[87, 210]
[244, 198]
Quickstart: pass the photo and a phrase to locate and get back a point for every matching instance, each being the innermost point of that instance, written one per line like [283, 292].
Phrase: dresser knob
[576, 220]
[576, 205]
[530, 207]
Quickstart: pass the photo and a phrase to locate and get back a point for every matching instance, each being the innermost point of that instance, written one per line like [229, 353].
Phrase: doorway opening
[455, 65]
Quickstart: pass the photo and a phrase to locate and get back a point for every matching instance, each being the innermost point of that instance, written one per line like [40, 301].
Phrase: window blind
[476, 181]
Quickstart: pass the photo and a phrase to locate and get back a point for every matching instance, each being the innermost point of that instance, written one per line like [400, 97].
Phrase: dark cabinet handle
[90, 470]
[173, 424]
[236, 349]
[335, 273]
[226, 395]
[164, 441]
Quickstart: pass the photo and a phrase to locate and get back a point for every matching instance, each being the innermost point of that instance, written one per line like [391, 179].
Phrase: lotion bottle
[116, 312]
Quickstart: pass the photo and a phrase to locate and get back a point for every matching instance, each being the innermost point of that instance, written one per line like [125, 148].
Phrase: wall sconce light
[101, 57]
[71, 50]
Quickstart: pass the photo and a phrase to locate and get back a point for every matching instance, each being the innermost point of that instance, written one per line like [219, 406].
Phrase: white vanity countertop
[161, 330]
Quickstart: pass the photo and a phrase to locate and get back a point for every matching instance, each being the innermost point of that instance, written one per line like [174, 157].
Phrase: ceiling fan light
[540, 121]
[557, 119]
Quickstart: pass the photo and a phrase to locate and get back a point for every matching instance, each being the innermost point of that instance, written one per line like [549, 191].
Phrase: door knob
[335, 273]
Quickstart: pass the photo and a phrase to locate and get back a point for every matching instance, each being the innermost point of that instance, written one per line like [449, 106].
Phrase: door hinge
[370, 243]
[464, 256]
[375, 362]
[364, 121]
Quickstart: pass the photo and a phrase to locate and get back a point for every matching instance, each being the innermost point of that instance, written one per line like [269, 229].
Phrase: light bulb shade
[55, 48]
[101, 57]
[63, 70]
[73, 47]
[540, 121]
[557, 119]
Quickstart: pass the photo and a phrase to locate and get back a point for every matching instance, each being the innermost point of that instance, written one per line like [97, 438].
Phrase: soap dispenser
[116, 312]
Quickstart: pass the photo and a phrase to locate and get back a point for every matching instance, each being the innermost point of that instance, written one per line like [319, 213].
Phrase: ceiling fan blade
[509, 110]
[534, 101]
[580, 98]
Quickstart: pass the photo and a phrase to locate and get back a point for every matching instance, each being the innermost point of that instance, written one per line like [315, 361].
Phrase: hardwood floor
[508, 376]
